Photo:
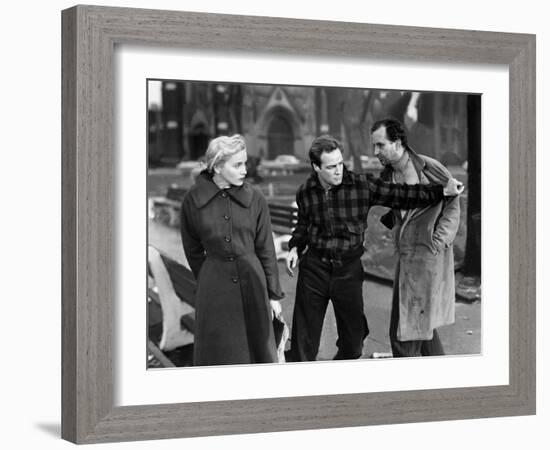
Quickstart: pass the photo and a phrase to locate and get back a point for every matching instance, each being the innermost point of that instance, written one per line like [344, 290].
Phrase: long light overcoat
[228, 243]
[424, 276]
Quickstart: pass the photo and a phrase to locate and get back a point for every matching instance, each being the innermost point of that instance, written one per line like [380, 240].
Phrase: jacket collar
[313, 180]
[205, 190]
[418, 163]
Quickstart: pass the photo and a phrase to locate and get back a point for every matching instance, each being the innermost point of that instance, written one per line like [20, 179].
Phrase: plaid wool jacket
[333, 222]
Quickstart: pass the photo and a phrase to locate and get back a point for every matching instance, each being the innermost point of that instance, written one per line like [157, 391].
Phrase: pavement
[462, 337]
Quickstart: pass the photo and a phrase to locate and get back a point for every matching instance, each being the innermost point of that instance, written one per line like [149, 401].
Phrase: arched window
[280, 139]
[198, 141]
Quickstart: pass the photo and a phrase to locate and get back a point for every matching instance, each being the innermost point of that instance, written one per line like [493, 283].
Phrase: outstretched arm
[409, 196]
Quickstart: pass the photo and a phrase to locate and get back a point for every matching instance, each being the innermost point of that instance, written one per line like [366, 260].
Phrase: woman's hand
[276, 308]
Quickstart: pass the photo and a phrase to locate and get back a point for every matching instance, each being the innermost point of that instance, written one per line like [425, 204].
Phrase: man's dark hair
[394, 130]
[320, 145]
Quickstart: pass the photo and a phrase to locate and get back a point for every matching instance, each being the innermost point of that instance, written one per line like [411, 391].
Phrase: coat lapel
[205, 190]
[388, 175]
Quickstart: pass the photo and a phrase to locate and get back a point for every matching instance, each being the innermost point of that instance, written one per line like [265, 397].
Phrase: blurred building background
[283, 120]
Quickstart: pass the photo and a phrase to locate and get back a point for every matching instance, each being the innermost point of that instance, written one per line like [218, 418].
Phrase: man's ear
[315, 167]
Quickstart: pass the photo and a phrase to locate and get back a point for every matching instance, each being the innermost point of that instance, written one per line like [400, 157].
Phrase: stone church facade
[280, 120]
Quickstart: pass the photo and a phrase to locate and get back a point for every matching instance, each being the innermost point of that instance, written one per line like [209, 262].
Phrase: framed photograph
[279, 123]
[110, 390]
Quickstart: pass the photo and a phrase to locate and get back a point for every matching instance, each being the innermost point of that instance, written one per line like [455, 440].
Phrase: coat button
[234, 279]
[224, 194]
[231, 258]
[227, 239]
[226, 217]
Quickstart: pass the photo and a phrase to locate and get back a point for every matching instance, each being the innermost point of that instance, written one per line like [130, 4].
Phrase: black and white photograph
[381, 168]
[290, 224]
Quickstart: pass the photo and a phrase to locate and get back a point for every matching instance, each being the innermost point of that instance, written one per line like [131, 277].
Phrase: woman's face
[233, 171]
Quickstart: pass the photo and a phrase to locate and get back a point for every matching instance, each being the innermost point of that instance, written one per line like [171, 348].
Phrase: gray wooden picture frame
[90, 34]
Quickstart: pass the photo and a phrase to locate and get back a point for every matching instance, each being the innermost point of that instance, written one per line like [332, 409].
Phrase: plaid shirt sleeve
[402, 196]
[299, 234]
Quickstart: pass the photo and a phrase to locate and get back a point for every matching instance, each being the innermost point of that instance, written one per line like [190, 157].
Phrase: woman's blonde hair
[221, 149]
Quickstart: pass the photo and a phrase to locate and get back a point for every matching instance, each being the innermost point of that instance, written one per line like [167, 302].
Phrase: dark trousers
[321, 280]
[401, 349]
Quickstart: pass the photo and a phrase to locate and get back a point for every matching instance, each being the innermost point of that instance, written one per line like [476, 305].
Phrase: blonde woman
[226, 234]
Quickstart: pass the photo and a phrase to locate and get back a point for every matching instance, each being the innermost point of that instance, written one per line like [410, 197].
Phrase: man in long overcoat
[424, 283]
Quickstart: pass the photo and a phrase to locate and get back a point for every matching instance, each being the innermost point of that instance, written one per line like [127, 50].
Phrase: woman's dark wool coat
[228, 243]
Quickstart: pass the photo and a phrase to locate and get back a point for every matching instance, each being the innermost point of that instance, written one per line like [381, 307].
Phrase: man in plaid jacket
[333, 205]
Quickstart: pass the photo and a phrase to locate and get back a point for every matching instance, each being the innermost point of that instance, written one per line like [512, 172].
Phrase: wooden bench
[167, 208]
[171, 294]
[283, 220]
[176, 193]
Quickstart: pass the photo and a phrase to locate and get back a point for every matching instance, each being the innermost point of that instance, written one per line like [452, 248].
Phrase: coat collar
[418, 162]
[205, 190]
